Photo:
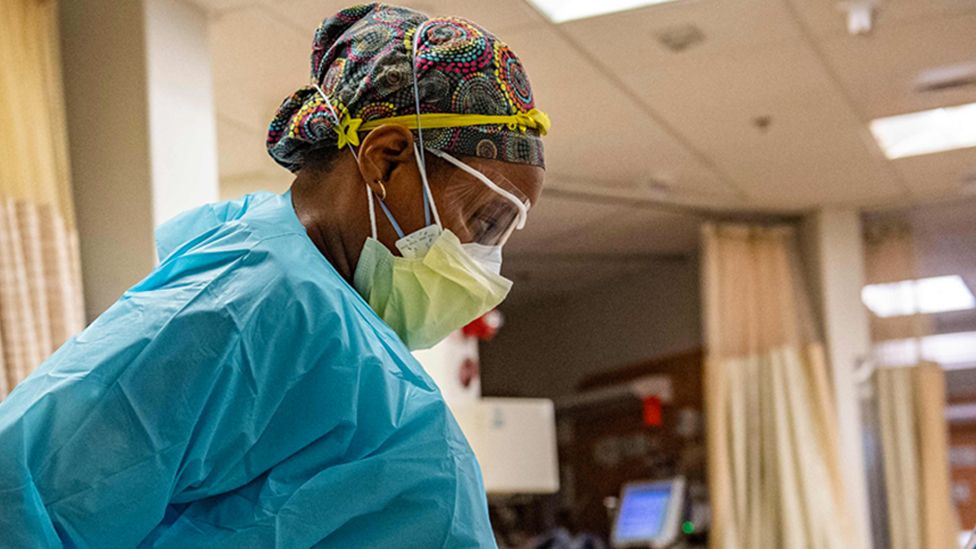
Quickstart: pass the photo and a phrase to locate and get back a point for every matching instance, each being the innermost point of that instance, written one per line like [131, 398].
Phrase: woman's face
[471, 209]
[467, 206]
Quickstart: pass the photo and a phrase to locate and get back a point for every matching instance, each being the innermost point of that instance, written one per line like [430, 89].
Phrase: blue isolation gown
[242, 395]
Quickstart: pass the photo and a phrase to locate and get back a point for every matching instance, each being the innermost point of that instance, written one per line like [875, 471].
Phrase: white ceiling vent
[680, 37]
[860, 15]
[946, 77]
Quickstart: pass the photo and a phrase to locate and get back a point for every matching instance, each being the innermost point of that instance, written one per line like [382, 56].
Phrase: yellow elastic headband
[349, 128]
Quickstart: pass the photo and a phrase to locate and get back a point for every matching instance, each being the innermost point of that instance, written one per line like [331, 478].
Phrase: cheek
[449, 203]
[453, 219]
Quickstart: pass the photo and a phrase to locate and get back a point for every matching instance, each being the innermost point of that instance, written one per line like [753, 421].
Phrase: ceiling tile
[600, 136]
[879, 71]
[497, 16]
[937, 175]
[629, 40]
[826, 18]
[814, 151]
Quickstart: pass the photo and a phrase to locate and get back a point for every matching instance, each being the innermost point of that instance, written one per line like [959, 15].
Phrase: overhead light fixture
[938, 294]
[952, 351]
[560, 11]
[926, 132]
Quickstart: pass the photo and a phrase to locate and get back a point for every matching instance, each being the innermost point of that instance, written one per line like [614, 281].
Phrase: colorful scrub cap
[475, 97]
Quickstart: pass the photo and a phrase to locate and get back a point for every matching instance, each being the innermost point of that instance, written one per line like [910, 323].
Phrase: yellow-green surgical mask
[426, 298]
[437, 285]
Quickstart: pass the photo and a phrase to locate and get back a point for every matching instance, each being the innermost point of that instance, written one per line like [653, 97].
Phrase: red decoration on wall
[469, 372]
[652, 411]
[484, 327]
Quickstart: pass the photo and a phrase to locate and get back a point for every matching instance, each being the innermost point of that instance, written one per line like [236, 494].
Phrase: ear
[384, 152]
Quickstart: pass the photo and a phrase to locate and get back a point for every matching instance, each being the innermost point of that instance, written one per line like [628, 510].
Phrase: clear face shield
[487, 207]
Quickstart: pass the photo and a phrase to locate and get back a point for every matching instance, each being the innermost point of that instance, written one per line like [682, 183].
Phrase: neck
[329, 208]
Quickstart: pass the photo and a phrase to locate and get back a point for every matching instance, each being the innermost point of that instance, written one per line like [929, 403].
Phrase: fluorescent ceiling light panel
[560, 11]
[951, 351]
[926, 132]
[938, 294]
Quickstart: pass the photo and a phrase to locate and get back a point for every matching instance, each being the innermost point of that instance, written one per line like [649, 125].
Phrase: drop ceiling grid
[817, 149]
[599, 134]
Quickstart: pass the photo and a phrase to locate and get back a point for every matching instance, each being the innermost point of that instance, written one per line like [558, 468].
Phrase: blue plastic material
[243, 395]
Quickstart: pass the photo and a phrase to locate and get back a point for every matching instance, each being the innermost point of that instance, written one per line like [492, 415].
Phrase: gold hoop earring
[381, 190]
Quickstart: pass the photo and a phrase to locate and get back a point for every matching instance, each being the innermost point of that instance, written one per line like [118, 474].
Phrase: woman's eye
[483, 226]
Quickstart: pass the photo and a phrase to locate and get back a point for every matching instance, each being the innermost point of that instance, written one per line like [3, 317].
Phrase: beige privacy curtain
[40, 286]
[911, 408]
[911, 405]
[774, 473]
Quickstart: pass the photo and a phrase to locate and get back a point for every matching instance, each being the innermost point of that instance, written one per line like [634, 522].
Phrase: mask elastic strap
[523, 210]
[369, 190]
[372, 210]
[416, 96]
[429, 206]
[389, 216]
[418, 148]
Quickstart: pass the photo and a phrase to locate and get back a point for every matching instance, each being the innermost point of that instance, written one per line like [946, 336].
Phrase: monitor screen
[642, 512]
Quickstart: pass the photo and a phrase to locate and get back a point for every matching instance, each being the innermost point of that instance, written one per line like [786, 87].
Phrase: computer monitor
[649, 514]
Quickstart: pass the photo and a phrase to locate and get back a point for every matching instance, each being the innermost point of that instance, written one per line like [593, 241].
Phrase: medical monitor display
[643, 512]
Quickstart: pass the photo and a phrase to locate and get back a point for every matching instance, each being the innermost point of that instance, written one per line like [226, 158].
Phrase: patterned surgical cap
[361, 58]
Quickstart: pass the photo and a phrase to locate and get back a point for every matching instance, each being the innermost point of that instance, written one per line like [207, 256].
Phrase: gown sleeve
[94, 442]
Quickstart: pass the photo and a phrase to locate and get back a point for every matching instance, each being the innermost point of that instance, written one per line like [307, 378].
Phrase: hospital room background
[743, 312]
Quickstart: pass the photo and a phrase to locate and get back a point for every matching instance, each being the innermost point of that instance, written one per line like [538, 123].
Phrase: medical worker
[257, 389]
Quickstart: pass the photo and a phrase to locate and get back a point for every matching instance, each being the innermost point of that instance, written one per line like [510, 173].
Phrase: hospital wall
[141, 130]
[547, 347]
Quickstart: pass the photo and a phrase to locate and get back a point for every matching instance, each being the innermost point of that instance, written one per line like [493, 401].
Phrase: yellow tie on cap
[349, 127]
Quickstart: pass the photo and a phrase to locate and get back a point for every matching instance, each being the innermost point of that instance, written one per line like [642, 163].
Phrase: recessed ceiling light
[560, 11]
[937, 294]
[925, 132]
